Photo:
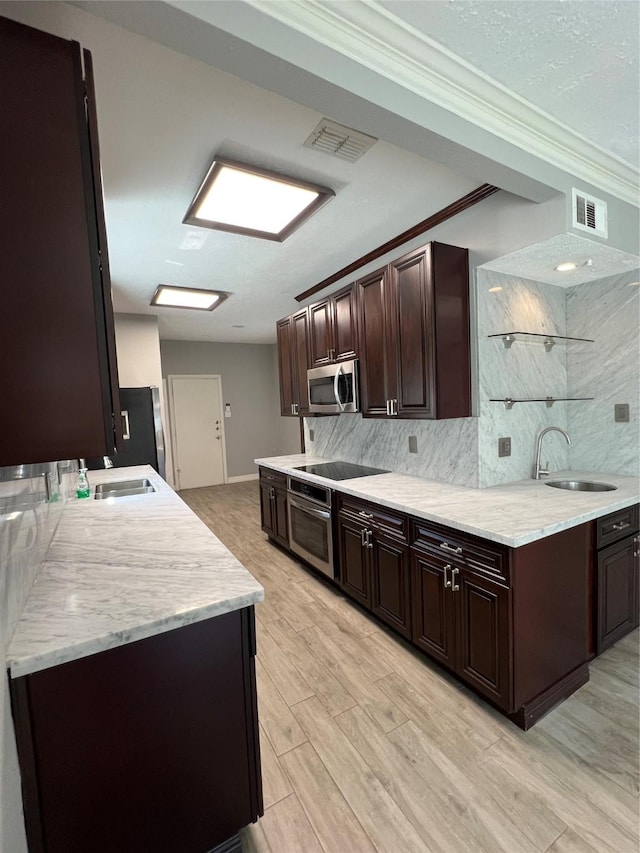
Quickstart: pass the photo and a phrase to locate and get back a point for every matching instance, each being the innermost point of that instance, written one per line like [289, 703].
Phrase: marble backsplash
[524, 370]
[28, 520]
[607, 370]
[447, 450]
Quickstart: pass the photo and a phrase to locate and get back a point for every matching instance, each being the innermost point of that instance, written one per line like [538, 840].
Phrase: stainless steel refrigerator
[142, 427]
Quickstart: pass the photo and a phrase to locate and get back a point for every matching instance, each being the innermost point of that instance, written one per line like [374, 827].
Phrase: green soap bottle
[83, 490]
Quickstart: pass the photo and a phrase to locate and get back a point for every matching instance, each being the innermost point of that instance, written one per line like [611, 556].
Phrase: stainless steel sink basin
[123, 488]
[581, 486]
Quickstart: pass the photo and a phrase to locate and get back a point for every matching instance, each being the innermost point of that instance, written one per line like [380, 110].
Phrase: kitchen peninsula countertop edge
[512, 514]
[122, 570]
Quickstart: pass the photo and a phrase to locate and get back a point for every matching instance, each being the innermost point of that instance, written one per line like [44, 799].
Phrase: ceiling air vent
[589, 214]
[339, 141]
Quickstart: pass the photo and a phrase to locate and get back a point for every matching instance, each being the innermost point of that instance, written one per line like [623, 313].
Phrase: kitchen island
[132, 678]
[513, 588]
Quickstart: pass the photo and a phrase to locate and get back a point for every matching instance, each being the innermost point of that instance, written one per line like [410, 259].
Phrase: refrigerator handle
[125, 424]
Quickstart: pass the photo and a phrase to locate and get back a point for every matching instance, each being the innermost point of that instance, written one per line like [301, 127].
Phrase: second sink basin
[581, 486]
[123, 488]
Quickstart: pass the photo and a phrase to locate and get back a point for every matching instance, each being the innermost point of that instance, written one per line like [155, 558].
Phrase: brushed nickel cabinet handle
[622, 525]
[366, 515]
[447, 582]
[455, 586]
[446, 547]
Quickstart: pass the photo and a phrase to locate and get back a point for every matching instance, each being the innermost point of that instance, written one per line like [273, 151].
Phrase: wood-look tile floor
[367, 746]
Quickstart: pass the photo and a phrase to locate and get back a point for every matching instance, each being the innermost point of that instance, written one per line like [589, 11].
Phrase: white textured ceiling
[163, 115]
[594, 261]
[577, 60]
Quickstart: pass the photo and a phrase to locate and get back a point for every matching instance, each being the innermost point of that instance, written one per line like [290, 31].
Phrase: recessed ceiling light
[565, 267]
[246, 200]
[495, 289]
[167, 296]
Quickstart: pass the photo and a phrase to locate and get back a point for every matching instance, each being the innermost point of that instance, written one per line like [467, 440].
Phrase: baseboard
[533, 710]
[243, 478]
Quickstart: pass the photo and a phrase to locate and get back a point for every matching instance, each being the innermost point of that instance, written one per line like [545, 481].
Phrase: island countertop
[512, 514]
[123, 569]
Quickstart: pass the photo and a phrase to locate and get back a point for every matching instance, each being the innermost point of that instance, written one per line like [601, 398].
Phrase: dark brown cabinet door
[414, 336]
[390, 599]
[266, 507]
[300, 362]
[285, 365]
[483, 629]
[56, 341]
[410, 331]
[617, 592]
[372, 322]
[345, 324]
[280, 521]
[354, 562]
[433, 605]
[321, 333]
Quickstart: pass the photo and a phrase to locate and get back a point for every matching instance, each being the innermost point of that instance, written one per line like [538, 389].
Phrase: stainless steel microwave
[333, 388]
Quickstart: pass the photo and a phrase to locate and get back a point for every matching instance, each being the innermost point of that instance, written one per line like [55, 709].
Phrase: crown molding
[369, 34]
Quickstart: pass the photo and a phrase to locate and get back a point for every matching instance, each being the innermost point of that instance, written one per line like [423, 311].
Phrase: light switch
[413, 444]
[311, 435]
[227, 410]
[504, 446]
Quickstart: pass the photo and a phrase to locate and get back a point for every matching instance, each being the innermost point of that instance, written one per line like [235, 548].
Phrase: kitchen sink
[581, 486]
[123, 488]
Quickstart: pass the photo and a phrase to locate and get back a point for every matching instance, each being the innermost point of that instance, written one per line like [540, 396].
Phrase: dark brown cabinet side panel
[450, 274]
[550, 610]
[280, 521]
[616, 592]
[171, 728]
[51, 384]
[266, 508]
[300, 339]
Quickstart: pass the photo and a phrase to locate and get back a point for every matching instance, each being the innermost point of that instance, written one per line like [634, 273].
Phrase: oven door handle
[318, 513]
[336, 391]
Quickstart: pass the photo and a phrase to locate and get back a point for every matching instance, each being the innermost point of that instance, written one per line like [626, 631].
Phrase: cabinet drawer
[385, 520]
[273, 477]
[478, 555]
[617, 525]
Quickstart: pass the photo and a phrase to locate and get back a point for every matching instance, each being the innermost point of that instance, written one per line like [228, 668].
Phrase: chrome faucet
[537, 470]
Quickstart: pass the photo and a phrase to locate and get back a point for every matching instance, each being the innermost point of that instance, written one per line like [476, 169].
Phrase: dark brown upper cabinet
[58, 383]
[414, 336]
[293, 360]
[333, 328]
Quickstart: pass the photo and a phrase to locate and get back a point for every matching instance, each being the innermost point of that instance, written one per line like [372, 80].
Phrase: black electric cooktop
[340, 470]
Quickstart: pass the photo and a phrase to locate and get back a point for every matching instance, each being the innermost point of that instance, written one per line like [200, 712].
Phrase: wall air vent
[589, 214]
[339, 141]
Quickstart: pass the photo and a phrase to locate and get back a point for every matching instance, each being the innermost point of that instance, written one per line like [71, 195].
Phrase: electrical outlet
[504, 446]
[621, 413]
[311, 435]
[413, 444]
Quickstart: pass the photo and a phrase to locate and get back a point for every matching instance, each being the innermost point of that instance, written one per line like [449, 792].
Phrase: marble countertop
[513, 514]
[123, 569]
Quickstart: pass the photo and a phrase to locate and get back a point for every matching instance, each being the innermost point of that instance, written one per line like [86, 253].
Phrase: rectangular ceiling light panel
[246, 200]
[168, 296]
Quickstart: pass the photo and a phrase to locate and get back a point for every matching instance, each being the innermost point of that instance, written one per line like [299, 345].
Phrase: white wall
[250, 386]
[139, 364]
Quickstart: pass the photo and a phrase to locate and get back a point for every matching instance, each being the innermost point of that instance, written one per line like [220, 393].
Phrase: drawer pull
[366, 515]
[446, 547]
[622, 525]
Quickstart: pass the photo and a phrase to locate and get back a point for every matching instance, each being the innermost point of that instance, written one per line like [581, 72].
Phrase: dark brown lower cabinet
[273, 506]
[463, 620]
[616, 592]
[149, 746]
[374, 561]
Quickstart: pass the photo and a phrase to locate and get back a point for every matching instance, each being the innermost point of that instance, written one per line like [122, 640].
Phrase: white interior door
[197, 431]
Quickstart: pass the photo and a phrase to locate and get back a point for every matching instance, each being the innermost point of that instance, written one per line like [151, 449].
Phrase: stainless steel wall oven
[310, 527]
